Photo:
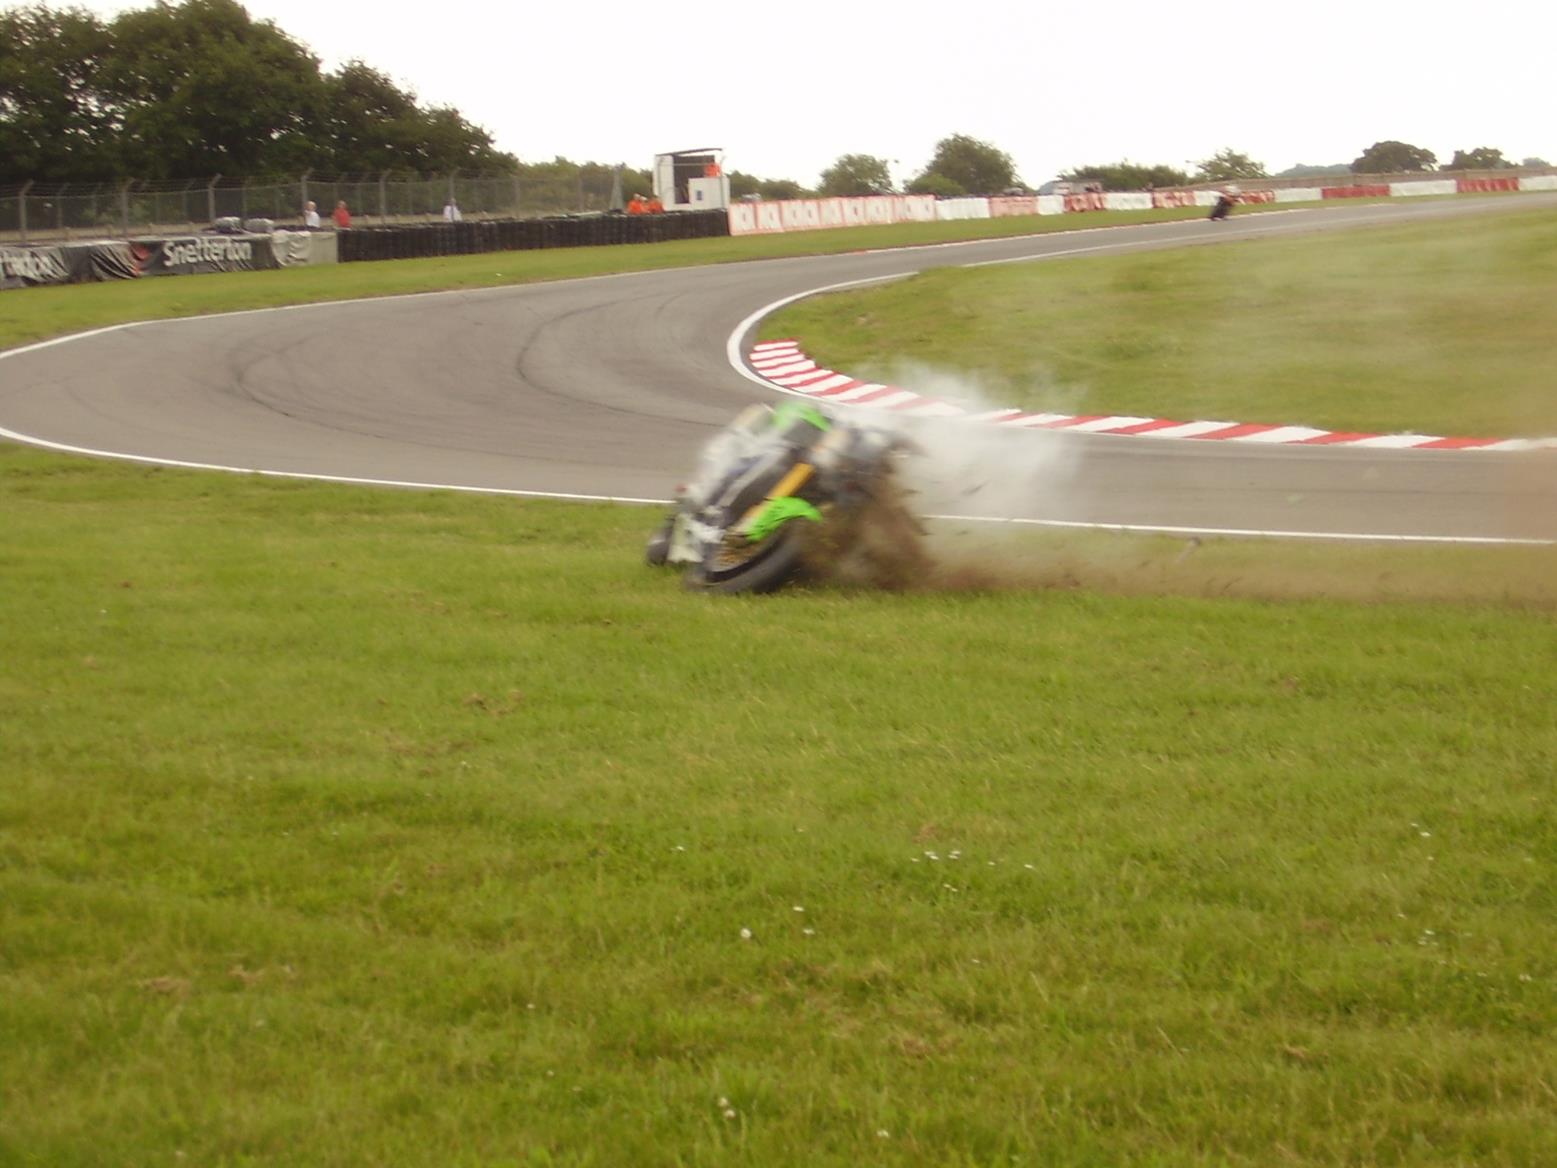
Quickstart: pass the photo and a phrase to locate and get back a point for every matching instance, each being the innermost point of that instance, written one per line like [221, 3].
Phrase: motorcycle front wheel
[739, 566]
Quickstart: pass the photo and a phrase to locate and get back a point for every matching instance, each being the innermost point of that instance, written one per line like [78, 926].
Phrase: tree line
[962, 165]
[200, 88]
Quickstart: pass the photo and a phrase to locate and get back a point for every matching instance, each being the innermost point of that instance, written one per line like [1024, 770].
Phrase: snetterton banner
[27, 265]
[24, 266]
[191, 254]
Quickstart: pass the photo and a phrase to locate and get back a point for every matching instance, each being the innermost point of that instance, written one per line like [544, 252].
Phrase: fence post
[59, 211]
[124, 206]
[383, 197]
[21, 210]
[516, 194]
[210, 198]
[304, 203]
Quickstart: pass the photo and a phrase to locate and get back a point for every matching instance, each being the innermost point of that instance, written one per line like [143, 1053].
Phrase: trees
[1128, 176]
[204, 89]
[976, 167]
[857, 174]
[53, 120]
[200, 88]
[1390, 157]
[1481, 158]
[931, 183]
[1228, 165]
[782, 188]
[1306, 170]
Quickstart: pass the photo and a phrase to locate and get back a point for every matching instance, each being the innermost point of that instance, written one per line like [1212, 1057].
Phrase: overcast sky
[786, 87]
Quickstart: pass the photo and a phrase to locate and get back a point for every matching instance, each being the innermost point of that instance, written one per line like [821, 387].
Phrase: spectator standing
[451, 212]
[311, 215]
[636, 205]
[654, 206]
[341, 215]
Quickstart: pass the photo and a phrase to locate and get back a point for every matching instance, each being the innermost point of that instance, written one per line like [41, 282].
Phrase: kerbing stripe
[800, 380]
[1187, 430]
[1283, 434]
[782, 364]
[1108, 425]
[775, 371]
[1236, 430]
[863, 389]
[836, 381]
[1395, 441]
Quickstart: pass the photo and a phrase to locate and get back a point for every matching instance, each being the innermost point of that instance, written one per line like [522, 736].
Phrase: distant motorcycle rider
[1225, 198]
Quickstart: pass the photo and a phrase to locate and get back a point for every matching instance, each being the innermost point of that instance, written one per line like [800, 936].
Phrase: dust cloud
[942, 521]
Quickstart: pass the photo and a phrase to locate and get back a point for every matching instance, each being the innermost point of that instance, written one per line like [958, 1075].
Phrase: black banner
[22, 266]
[189, 254]
[25, 265]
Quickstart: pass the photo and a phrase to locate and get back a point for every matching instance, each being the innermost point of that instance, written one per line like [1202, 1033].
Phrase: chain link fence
[36, 211]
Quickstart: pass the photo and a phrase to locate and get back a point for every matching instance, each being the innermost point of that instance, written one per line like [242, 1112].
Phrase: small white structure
[692, 180]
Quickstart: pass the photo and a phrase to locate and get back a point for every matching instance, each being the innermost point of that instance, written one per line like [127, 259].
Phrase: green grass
[344, 827]
[1426, 328]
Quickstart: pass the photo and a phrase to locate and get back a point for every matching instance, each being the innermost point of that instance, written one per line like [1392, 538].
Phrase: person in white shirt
[451, 212]
[310, 215]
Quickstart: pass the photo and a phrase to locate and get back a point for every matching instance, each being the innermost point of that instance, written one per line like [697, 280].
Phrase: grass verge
[342, 827]
[1411, 328]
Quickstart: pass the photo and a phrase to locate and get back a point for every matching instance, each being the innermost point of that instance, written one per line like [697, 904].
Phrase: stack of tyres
[471, 237]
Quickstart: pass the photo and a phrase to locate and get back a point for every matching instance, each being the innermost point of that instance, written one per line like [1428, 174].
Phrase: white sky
[786, 87]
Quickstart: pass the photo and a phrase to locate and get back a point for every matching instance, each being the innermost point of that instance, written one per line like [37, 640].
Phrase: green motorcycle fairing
[777, 512]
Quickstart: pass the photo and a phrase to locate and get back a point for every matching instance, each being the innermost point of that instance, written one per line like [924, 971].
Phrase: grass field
[346, 827]
[1426, 328]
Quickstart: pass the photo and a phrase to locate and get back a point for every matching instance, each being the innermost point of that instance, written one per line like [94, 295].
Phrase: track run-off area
[604, 388]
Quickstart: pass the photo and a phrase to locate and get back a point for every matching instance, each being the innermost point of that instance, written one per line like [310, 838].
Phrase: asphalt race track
[606, 387]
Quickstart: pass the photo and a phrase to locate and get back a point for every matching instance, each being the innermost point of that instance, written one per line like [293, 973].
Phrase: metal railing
[35, 211]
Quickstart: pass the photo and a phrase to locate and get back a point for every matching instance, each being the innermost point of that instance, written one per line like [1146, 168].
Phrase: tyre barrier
[473, 236]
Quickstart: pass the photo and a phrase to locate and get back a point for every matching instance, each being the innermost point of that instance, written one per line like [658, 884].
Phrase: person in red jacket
[341, 215]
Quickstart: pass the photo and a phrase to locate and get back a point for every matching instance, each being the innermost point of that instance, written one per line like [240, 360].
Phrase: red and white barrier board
[1003, 205]
[1416, 190]
[1357, 191]
[948, 209]
[817, 214]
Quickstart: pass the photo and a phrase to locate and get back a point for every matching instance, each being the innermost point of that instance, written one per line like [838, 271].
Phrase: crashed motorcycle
[780, 491]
